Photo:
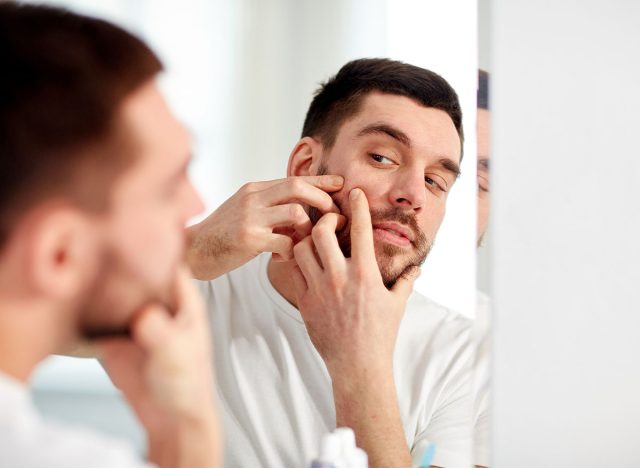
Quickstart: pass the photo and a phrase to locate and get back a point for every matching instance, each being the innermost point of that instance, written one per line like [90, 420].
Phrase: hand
[351, 317]
[165, 371]
[260, 217]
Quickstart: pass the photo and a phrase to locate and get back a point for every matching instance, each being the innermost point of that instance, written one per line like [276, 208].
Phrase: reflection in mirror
[481, 390]
[482, 325]
[242, 75]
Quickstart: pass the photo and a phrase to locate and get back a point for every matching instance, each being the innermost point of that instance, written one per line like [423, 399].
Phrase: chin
[393, 264]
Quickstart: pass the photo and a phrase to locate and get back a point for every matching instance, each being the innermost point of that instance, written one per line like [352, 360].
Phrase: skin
[67, 273]
[352, 310]
[482, 128]
[483, 134]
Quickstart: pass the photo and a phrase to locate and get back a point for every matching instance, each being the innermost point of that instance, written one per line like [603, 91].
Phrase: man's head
[93, 168]
[395, 131]
[483, 134]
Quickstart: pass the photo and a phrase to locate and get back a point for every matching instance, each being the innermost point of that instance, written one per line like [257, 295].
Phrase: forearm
[208, 256]
[367, 402]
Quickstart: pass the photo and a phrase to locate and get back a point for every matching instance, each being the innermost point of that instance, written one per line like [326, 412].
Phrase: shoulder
[434, 334]
[35, 443]
[425, 314]
[243, 276]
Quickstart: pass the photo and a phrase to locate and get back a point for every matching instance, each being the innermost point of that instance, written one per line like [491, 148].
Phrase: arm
[165, 371]
[260, 217]
[353, 320]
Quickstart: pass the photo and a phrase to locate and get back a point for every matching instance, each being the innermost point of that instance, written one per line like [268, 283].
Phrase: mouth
[393, 233]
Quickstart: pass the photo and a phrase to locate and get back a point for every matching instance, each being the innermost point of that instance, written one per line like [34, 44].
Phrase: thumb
[404, 285]
[152, 327]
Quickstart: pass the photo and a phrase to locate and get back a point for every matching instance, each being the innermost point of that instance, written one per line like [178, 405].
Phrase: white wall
[566, 187]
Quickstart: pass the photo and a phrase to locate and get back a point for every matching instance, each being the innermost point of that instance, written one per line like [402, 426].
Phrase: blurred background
[241, 74]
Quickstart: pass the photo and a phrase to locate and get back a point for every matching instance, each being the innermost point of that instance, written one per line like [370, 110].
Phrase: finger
[290, 215]
[326, 242]
[306, 190]
[404, 285]
[299, 283]
[306, 260]
[122, 359]
[362, 249]
[152, 327]
[281, 246]
[188, 303]
[328, 183]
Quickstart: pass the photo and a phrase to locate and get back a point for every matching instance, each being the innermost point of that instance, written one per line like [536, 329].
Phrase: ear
[61, 252]
[305, 157]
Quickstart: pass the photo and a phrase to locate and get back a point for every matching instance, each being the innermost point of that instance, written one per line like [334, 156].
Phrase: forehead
[159, 139]
[430, 130]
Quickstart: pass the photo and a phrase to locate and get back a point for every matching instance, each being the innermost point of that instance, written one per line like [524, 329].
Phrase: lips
[394, 232]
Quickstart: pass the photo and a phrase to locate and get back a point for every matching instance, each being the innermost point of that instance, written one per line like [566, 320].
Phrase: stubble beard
[385, 252]
[116, 291]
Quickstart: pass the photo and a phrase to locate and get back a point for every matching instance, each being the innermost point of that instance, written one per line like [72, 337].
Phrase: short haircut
[64, 77]
[483, 90]
[341, 96]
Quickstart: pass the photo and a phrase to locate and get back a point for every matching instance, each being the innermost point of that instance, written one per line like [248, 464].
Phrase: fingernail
[337, 180]
[354, 194]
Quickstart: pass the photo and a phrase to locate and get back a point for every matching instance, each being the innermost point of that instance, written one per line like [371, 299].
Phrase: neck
[27, 336]
[279, 274]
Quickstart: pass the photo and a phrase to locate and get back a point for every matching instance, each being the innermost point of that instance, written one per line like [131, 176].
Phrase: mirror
[241, 76]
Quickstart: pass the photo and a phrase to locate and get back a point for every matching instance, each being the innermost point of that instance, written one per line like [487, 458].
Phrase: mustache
[378, 215]
[400, 216]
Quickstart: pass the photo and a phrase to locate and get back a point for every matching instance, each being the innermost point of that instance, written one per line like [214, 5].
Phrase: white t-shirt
[27, 441]
[481, 381]
[275, 391]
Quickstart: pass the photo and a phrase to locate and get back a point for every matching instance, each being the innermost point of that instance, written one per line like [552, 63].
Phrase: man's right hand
[165, 371]
[260, 217]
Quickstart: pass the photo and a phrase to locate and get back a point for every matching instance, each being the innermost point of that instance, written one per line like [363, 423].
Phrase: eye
[483, 184]
[432, 183]
[381, 159]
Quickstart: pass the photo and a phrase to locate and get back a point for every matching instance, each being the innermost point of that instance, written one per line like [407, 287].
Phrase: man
[94, 202]
[481, 423]
[325, 333]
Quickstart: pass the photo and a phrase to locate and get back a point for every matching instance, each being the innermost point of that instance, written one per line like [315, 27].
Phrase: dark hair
[483, 90]
[341, 96]
[64, 77]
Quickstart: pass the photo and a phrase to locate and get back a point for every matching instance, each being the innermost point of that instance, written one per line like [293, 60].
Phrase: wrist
[186, 440]
[350, 381]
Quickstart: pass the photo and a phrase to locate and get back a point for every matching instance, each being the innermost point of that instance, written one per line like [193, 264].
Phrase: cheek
[431, 218]
[150, 245]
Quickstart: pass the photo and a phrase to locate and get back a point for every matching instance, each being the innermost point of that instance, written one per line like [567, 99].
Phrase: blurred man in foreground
[94, 202]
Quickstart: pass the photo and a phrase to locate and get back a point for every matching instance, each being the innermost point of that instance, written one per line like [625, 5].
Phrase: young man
[94, 202]
[326, 332]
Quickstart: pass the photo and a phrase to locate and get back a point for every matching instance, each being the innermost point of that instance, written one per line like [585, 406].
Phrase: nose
[408, 191]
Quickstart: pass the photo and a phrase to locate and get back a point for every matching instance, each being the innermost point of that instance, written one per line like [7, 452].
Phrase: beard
[115, 296]
[393, 261]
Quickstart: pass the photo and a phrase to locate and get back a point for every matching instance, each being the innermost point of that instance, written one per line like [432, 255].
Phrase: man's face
[405, 157]
[143, 231]
[483, 172]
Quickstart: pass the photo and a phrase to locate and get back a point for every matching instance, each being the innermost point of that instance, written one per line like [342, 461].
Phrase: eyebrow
[398, 135]
[483, 164]
[386, 129]
[450, 166]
